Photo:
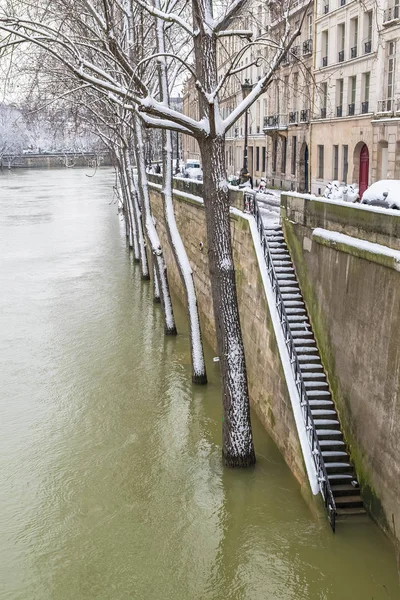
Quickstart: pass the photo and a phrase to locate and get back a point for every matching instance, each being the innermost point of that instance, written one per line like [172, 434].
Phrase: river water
[111, 484]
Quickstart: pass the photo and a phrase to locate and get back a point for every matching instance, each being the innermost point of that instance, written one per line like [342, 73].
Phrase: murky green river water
[111, 485]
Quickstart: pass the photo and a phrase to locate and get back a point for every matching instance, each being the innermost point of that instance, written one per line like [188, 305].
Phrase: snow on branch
[166, 16]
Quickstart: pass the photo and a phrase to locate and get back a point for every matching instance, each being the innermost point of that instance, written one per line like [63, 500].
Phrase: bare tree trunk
[158, 258]
[137, 219]
[156, 287]
[199, 374]
[238, 448]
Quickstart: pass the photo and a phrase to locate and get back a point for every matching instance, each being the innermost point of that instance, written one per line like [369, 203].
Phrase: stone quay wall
[353, 299]
[267, 386]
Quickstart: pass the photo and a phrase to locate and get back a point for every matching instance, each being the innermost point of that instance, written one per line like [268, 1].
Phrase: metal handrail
[251, 206]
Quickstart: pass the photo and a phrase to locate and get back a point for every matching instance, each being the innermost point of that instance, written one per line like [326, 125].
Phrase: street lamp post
[177, 154]
[246, 89]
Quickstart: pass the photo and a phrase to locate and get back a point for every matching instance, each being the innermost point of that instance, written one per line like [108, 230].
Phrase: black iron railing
[251, 206]
[341, 56]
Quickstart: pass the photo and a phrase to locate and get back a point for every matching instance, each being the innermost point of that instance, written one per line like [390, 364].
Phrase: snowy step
[282, 276]
[329, 435]
[320, 385]
[282, 263]
[284, 270]
[279, 245]
[323, 412]
[340, 478]
[325, 423]
[306, 341]
[293, 303]
[334, 454]
[308, 358]
[290, 296]
[295, 311]
[321, 404]
[275, 238]
[331, 444]
[277, 255]
[310, 375]
[311, 367]
[307, 349]
[318, 394]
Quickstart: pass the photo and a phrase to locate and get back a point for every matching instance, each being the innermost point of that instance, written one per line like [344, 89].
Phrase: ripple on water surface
[111, 480]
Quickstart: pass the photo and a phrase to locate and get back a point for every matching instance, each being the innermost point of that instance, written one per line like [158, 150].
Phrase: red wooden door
[364, 170]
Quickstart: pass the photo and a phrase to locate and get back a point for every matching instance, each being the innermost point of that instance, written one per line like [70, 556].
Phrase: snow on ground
[269, 202]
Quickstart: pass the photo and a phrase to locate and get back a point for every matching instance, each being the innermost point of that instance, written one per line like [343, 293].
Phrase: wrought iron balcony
[323, 112]
[307, 47]
[304, 115]
[275, 122]
[367, 47]
[391, 14]
[324, 61]
[353, 52]
[341, 56]
[293, 118]
[326, 9]
[352, 109]
[364, 107]
[339, 111]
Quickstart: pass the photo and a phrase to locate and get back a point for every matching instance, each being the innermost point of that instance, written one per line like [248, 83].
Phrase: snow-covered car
[385, 193]
[193, 170]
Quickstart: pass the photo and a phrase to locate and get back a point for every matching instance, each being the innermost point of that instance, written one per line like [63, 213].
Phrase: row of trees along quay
[117, 63]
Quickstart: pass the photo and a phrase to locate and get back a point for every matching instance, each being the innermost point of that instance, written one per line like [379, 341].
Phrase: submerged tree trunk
[157, 253]
[137, 218]
[199, 374]
[238, 448]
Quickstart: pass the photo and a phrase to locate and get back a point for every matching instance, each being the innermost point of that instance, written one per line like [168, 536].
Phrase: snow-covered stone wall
[347, 259]
[268, 392]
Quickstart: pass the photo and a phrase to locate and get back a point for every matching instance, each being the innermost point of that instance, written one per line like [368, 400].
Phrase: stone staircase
[341, 475]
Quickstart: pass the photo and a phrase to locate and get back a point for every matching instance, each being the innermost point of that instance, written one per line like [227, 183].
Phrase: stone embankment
[353, 298]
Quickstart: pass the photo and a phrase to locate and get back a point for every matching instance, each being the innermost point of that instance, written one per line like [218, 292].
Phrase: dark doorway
[304, 165]
[364, 169]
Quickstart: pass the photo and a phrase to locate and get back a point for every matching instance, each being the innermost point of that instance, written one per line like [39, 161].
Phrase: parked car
[193, 170]
[384, 193]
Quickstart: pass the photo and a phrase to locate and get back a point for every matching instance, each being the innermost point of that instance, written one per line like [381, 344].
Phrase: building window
[310, 26]
[368, 32]
[324, 48]
[390, 75]
[345, 155]
[320, 161]
[354, 37]
[324, 99]
[335, 162]
[264, 159]
[341, 41]
[294, 154]
[339, 97]
[257, 158]
[284, 151]
[352, 94]
[365, 102]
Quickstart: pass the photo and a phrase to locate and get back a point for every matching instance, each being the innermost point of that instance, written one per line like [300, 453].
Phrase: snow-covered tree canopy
[111, 45]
